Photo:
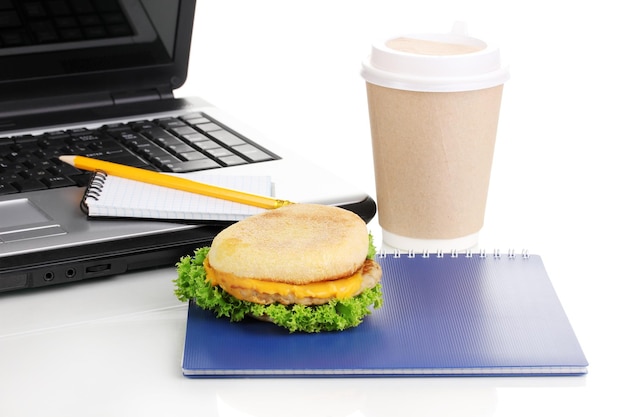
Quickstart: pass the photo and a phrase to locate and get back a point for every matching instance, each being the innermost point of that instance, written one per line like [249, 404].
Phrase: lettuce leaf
[371, 252]
[335, 315]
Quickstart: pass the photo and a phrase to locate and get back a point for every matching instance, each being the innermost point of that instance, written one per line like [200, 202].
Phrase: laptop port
[70, 273]
[48, 276]
[94, 269]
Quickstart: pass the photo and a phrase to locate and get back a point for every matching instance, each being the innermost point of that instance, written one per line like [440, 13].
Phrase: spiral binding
[94, 189]
[482, 253]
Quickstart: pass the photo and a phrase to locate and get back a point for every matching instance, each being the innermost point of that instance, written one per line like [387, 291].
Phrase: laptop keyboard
[183, 144]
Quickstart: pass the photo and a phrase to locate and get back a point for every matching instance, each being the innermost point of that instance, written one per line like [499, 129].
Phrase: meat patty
[371, 273]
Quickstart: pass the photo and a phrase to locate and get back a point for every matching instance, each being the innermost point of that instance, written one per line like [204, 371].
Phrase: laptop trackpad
[21, 219]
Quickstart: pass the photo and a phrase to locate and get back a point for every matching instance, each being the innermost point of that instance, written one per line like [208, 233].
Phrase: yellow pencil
[170, 181]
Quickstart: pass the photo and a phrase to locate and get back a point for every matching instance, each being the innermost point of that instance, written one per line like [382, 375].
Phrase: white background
[291, 70]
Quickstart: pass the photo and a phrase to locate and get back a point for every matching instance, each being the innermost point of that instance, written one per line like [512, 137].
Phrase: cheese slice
[340, 288]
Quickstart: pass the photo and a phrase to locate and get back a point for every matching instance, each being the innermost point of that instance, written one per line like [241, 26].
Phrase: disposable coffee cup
[434, 102]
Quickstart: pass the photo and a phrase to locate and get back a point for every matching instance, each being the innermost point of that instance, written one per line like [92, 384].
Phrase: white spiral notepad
[111, 196]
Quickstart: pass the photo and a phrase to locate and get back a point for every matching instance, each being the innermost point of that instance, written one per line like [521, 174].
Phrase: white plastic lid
[461, 63]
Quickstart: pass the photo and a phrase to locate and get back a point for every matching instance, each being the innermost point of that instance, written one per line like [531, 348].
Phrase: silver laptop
[96, 78]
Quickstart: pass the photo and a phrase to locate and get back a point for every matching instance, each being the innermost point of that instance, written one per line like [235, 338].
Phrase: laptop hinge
[26, 108]
[68, 109]
[127, 97]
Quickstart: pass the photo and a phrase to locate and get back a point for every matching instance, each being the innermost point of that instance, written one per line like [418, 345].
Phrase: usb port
[97, 268]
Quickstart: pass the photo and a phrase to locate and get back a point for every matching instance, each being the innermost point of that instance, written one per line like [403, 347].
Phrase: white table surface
[291, 69]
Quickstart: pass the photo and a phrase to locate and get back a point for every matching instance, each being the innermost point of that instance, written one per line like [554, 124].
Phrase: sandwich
[304, 267]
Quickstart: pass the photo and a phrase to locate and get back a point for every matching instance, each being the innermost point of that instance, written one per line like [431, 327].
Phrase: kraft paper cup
[434, 103]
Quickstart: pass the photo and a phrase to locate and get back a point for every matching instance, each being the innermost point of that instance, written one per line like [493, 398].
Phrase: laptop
[96, 78]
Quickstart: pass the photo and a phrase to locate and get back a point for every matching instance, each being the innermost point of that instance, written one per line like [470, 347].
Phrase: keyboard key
[208, 127]
[36, 173]
[29, 185]
[233, 160]
[113, 155]
[185, 130]
[151, 153]
[192, 156]
[81, 6]
[87, 137]
[142, 125]
[121, 29]
[170, 122]
[70, 34]
[83, 179]
[9, 19]
[137, 142]
[207, 144]
[105, 144]
[179, 148]
[58, 182]
[58, 8]
[191, 116]
[195, 138]
[7, 189]
[11, 168]
[219, 152]
[189, 166]
[14, 38]
[252, 152]
[158, 134]
[64, 169]
[10, 178]
[33, 9]
[227, 138]
[14, 156]
[91, 20]
[128, 159]
[23, 140]
[163, 161]
[166, 141]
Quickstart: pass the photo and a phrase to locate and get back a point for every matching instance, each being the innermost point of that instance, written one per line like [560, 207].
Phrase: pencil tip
[67, 159]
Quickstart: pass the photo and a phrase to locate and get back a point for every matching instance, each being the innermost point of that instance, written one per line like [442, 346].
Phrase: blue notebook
[443, 314]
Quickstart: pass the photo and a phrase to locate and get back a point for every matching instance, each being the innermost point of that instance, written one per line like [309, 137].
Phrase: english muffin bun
[296, 244]
[305, 267]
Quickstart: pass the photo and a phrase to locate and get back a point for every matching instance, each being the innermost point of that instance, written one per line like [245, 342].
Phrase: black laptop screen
[66, 45]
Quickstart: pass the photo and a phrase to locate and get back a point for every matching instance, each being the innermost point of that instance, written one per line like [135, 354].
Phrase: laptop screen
[76, 46]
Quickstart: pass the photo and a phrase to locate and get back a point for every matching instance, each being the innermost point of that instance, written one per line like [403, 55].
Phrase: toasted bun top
[296, 244]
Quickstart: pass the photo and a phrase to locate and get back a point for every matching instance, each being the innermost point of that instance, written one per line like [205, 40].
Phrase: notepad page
[120, 197]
